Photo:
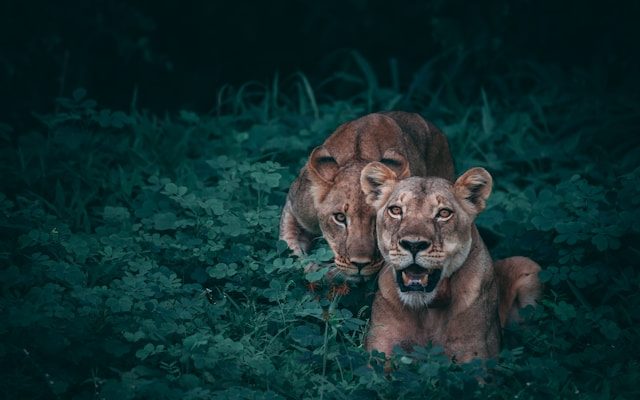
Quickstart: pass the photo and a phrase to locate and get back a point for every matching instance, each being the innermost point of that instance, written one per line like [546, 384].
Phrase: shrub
[140, 254]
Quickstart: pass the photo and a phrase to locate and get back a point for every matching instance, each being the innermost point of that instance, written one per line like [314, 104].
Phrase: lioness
[438, 284]
[326, 198]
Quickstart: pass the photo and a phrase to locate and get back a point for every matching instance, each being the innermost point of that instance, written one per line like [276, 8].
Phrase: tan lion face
[346, 220]
[424, 225]
[348, 225]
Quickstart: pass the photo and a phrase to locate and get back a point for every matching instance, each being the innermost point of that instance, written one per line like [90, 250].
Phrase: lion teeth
[409, 280]
[405, 279]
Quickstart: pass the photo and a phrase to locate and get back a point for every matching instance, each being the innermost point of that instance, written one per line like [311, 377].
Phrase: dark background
[179, 54]
[139, 218]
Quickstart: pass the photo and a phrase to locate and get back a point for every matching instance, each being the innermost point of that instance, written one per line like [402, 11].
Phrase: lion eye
[445, 213]
[340, 218]
[395, 211]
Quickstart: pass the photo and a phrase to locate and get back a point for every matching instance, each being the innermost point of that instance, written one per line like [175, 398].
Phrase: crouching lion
[439, 283]
[326, 198]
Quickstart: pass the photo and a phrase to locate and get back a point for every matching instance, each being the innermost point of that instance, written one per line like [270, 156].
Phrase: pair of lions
[326, 198]
[379, 190]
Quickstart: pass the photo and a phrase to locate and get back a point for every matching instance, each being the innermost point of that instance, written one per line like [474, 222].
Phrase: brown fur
[519, 286]
[414, 236]
[330, 183]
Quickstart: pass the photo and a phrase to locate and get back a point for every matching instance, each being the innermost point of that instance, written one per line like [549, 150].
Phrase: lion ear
[397, 162]
[473, 189]
[377, 182]
[322, 165]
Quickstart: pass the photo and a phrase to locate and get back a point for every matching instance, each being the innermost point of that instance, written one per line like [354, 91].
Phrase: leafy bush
[140, 254]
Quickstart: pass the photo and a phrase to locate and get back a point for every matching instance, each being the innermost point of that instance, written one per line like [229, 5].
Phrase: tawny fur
[330, 183]
[519, 286]
[472, 301]
[468, 327]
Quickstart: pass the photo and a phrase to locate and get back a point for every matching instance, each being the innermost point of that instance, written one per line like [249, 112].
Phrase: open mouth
[414, 278]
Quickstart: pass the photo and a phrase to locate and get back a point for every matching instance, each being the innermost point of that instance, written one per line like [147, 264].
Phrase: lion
[439, 283]
[326, 199]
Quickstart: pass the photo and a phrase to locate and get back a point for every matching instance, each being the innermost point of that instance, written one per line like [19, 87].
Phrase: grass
[140, 254]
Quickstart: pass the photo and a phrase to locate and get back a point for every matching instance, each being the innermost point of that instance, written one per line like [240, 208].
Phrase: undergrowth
[140, 256]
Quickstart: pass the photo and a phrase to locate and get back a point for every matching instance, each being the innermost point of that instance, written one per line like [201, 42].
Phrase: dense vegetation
[140, 256]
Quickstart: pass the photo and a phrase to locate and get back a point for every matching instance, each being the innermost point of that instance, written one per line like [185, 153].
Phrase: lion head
[424, 226]
[346, 220]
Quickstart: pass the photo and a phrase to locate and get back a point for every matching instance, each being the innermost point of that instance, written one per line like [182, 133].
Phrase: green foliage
[140, 254]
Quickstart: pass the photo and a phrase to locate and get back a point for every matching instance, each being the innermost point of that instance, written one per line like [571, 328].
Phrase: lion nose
[415, 246]
[360, 263]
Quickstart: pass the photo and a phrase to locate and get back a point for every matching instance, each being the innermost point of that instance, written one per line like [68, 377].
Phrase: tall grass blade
[310, 94]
